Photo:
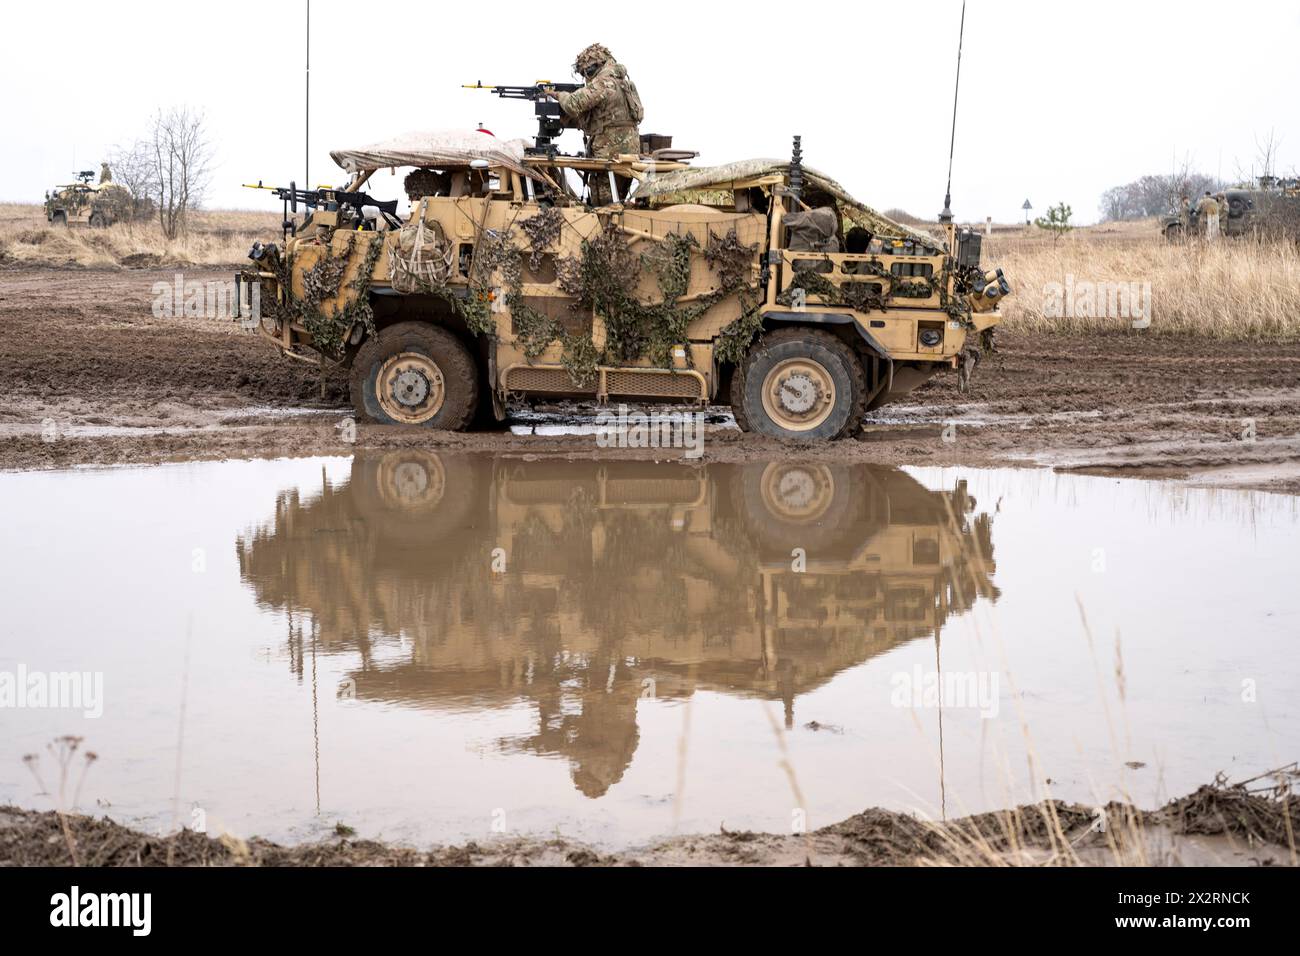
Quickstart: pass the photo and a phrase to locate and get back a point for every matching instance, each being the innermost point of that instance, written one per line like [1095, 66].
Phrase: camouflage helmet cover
[595, 55]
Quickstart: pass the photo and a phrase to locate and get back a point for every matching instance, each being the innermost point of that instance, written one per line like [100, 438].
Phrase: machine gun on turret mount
[550, 118]
[366, 208]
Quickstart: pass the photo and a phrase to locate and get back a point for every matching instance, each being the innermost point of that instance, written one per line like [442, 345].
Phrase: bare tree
[1158, 194]
[133, 167]
[1266, 150]
[181, 158]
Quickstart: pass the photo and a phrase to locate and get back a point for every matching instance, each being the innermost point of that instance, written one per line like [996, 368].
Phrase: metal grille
[540, 380]
[655, 384]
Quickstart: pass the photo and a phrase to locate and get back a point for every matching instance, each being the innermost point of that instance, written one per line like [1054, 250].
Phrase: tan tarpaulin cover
[727, 175]
[435, 148]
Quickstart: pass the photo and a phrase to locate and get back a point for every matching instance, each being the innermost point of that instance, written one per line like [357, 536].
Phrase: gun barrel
[532, 92]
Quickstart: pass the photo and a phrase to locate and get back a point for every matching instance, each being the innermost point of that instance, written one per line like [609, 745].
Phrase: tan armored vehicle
[93, 204]
[762, 285]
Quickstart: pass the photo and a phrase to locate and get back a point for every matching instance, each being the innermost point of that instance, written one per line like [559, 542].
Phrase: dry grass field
[1232, 289]
[215, 238]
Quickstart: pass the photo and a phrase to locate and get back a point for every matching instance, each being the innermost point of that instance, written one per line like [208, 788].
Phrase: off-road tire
[840, 362]
[59, 219]
[97, 220]
[460, 375]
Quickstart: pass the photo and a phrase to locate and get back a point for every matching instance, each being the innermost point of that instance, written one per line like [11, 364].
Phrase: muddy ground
[90, 376]
[1217, 825]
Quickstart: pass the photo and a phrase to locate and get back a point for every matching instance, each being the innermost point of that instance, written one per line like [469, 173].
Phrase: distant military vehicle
[759, 284]
[1272, 205]
[94, 204]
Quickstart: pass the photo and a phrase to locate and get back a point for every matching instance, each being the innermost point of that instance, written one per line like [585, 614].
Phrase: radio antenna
[306, 146]
[946, 215]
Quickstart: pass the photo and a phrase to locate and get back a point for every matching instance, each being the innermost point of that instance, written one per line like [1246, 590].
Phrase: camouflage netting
[543, 231]
[726, 177]
[602, 280]
[426, 182]
[322, 283]
[114, 199]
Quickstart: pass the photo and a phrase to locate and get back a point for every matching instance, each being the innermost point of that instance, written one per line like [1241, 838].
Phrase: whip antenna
[946, 215]
[306, 110]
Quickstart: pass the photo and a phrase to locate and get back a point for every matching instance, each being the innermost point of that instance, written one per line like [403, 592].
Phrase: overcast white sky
[1058, 100]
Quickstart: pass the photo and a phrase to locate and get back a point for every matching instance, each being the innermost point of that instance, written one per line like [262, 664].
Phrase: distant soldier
[105, 174]
[1224, 210]
[607, 109]
[1207, 210]
[1185, 210]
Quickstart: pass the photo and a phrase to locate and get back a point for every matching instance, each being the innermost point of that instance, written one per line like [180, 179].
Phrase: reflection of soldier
[607, 109]
[1207, 211]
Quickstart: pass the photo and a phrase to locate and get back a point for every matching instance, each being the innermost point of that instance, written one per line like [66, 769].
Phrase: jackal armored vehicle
[762, 285]
[94, 204]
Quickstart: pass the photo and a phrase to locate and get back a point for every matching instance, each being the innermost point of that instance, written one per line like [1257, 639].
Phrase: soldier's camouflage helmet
[595, 55]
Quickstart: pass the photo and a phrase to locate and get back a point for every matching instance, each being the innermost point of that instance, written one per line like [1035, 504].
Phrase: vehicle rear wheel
[59, 219]
[414, 373]
[799, 383]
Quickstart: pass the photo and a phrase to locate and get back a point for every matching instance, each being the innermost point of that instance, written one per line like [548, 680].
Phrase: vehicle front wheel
[414, 373]
[97, 220]
[799, 383]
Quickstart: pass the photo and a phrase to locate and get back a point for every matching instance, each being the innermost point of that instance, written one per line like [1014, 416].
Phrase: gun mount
[550, 118]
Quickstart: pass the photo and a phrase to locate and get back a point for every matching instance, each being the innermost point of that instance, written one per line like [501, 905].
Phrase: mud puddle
[431, 648]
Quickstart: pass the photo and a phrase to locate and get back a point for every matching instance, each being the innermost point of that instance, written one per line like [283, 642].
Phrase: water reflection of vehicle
[583, 586]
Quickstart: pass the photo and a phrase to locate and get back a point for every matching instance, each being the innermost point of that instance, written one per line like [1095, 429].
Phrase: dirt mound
[1253, 828]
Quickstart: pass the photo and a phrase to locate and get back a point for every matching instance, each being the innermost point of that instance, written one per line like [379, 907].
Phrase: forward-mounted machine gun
[550, 118]
[360, 207]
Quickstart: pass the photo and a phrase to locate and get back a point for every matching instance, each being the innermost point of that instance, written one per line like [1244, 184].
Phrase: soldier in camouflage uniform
[607, 109]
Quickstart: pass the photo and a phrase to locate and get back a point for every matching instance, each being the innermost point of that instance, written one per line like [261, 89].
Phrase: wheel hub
[798, 394]
[410, 388]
